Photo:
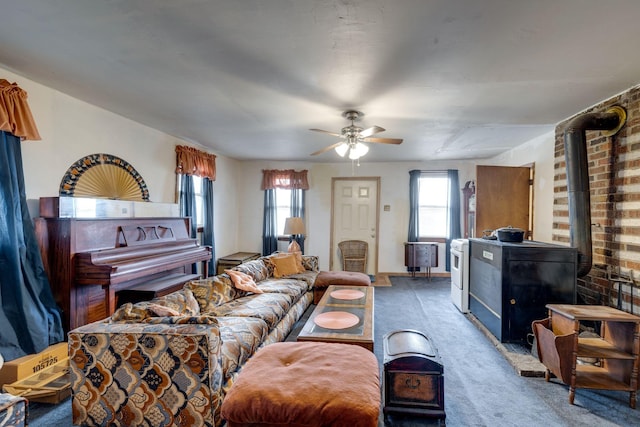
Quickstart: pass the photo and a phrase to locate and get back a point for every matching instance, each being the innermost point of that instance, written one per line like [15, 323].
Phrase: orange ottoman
[345, 278]
[306, 384]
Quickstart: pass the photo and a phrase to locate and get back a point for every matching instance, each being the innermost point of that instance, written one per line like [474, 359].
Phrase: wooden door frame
[375, 179]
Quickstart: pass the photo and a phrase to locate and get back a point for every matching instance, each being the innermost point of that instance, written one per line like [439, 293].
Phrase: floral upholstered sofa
[170, 361]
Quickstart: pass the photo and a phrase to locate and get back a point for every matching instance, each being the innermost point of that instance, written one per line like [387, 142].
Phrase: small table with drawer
[232, 260]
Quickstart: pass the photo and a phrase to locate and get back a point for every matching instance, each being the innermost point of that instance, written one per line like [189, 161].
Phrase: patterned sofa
[171, 360]
[13, 410]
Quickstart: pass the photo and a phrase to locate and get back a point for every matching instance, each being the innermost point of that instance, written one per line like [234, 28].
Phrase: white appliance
[460, 274]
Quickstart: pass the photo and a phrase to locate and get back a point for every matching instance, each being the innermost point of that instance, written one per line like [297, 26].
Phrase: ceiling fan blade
[384, 140]
[370, 131]
[326, 131]
[325, 149]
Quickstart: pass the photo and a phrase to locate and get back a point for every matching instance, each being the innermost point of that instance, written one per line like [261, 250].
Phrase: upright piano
[95, 264]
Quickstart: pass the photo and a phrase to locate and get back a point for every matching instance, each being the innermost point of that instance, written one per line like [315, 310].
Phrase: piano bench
[154, 288]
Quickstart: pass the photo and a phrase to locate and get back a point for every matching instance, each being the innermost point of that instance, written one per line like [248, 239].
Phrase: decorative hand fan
[104, 176]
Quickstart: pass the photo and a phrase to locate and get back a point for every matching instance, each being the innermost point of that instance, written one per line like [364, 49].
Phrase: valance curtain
[15, 114]
[297, 182]
[288, 178]
[191, 162]
[29, 316]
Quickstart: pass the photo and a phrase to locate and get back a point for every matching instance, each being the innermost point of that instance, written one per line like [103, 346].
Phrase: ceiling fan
[353, 138]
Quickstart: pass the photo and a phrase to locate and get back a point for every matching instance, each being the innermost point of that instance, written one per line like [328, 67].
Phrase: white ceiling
[456, 79]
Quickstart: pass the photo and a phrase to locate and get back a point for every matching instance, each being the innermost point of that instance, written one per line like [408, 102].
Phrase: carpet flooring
[484, 382]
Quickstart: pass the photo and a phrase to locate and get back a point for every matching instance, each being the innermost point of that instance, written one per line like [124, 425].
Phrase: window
[199, 198]
[283, 208]
[197, 188]
[433, 213]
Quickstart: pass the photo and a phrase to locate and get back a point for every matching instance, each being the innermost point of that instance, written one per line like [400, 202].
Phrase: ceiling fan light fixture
[342, 149]
[358, 150]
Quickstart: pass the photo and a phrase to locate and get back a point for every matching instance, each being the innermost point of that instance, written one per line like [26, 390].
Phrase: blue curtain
[29, 316]
[454, 214]
[208, 238]
[414, 206]
[297, 210]
[269, 225]
[187, 201]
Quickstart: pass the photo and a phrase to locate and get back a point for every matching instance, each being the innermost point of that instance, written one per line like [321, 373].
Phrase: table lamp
[294, 226]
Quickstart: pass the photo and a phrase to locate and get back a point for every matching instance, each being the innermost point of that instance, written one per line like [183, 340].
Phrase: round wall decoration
[104, 176]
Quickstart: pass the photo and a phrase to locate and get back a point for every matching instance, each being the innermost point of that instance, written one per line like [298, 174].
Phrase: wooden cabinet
[232, 260]
[613, 356]
[420, 254]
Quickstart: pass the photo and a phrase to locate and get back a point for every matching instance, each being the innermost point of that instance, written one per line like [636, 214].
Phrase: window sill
[432, 239]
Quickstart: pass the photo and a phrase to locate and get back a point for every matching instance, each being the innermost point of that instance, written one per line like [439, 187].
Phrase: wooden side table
[232, 260]
[616, 351]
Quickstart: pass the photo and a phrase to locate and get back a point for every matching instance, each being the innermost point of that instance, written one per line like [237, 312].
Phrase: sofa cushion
[310, 262]
[243, 281]
[213, 291]
[270, 307]
[308, 277]
[255, 268]
[292, 287]
[241, 337]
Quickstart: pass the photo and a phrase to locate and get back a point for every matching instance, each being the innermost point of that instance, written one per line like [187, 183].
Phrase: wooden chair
[354, 255]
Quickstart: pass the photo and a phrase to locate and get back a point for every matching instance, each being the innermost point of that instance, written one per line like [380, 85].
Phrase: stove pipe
[575, 152]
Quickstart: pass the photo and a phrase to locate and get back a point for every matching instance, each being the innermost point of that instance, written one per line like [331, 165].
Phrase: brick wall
[614, 170]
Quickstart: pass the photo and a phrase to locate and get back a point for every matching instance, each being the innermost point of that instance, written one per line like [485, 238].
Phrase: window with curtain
[434, 207]
[197, 171]
[283, 198]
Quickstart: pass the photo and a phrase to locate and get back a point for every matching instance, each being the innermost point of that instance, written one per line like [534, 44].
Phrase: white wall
[394, 191]
[72, 129]
[539, 151]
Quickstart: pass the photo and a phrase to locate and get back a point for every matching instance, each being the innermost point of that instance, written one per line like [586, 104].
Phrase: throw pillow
[243, 281]
[284, 265]
[213, 291]
[299, 266]
[161, 310]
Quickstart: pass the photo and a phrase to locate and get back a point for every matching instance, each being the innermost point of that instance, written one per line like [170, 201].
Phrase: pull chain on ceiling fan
[354, 138]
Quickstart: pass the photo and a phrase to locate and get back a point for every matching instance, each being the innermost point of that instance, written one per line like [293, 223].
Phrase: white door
[355, 212]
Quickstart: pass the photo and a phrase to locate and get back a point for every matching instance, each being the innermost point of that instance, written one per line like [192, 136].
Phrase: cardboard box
[50, 385]
[31, 364]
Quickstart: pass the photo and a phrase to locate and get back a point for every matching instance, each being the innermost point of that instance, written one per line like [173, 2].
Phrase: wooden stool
[306, 384]
[345, 278]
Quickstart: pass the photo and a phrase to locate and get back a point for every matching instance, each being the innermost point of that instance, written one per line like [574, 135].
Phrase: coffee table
[343, 315]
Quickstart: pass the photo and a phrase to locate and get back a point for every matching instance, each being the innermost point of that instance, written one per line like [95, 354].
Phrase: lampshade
[342, 149]
[294, 225]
